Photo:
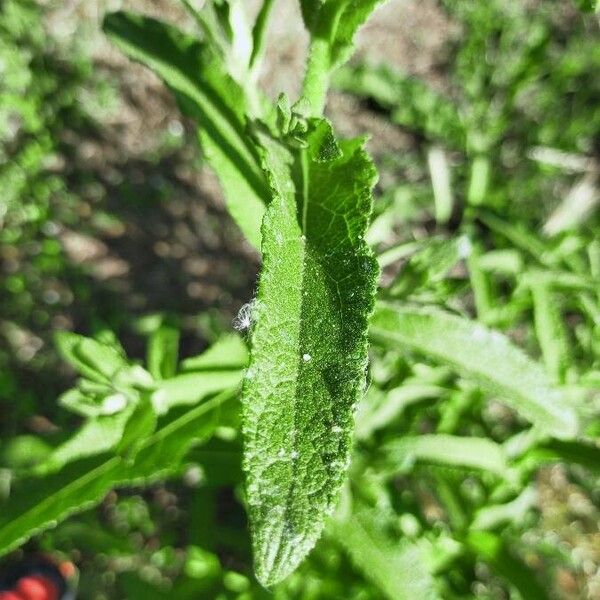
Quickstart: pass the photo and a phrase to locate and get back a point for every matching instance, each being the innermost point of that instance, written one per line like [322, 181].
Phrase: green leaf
[36, 504]
[23, 451]
[197, 77]
[588, 5]
[441, 182]
[141, 424]
[485, 355]
[442, 449]
[380, 409]
[97, 361]
[309, 346]
[337, 21]
[490, 517]
[550, 331]
[332, 25]
[162, 351]
[96, 436]
[430, 264]
[354, 15]
[310, 11]
[228, 352]
[190, 388]
[399, 568]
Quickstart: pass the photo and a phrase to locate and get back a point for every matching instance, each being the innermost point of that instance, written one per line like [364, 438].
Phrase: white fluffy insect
[243, 320]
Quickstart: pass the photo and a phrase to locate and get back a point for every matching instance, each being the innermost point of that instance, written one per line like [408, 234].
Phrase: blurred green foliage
[491, 228]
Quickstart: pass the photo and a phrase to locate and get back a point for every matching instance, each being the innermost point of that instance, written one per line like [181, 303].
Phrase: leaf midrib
[304, 186]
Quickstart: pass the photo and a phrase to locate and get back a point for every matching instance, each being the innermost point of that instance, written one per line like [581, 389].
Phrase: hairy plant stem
[316, 79]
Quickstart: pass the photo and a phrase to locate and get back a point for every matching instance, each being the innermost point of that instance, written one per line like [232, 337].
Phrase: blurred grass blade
[550, 331]
[397, 567]
[439, 172]
[504, 262]
[485, 355]
[518, 235]
[478, 184]
[577, 206]
[35, 504]
[441, 449]
[586, 454]
[377, 411]
[481, 284]
[412, 103]
[430, 263]
[491, 517]
[196, 75]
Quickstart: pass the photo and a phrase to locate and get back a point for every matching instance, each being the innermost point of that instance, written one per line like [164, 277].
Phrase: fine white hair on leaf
[244, 318]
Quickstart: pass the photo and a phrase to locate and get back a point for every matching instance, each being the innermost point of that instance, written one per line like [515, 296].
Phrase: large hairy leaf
[487, 356]
[309, 343]
[36, 504]
[204, 91]
[397, 567]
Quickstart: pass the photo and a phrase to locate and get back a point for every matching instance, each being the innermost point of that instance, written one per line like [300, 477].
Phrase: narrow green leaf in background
[97, 435]
[495, 515]
[550, 330]
[398, 567]
[442, 449]
[379, 409]
[309, 343]
[195, 74]
[441, 181]
[36, 504]
[485, 355]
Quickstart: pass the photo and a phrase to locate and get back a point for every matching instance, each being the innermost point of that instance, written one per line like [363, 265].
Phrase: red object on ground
[10, 596]
[34, 587]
